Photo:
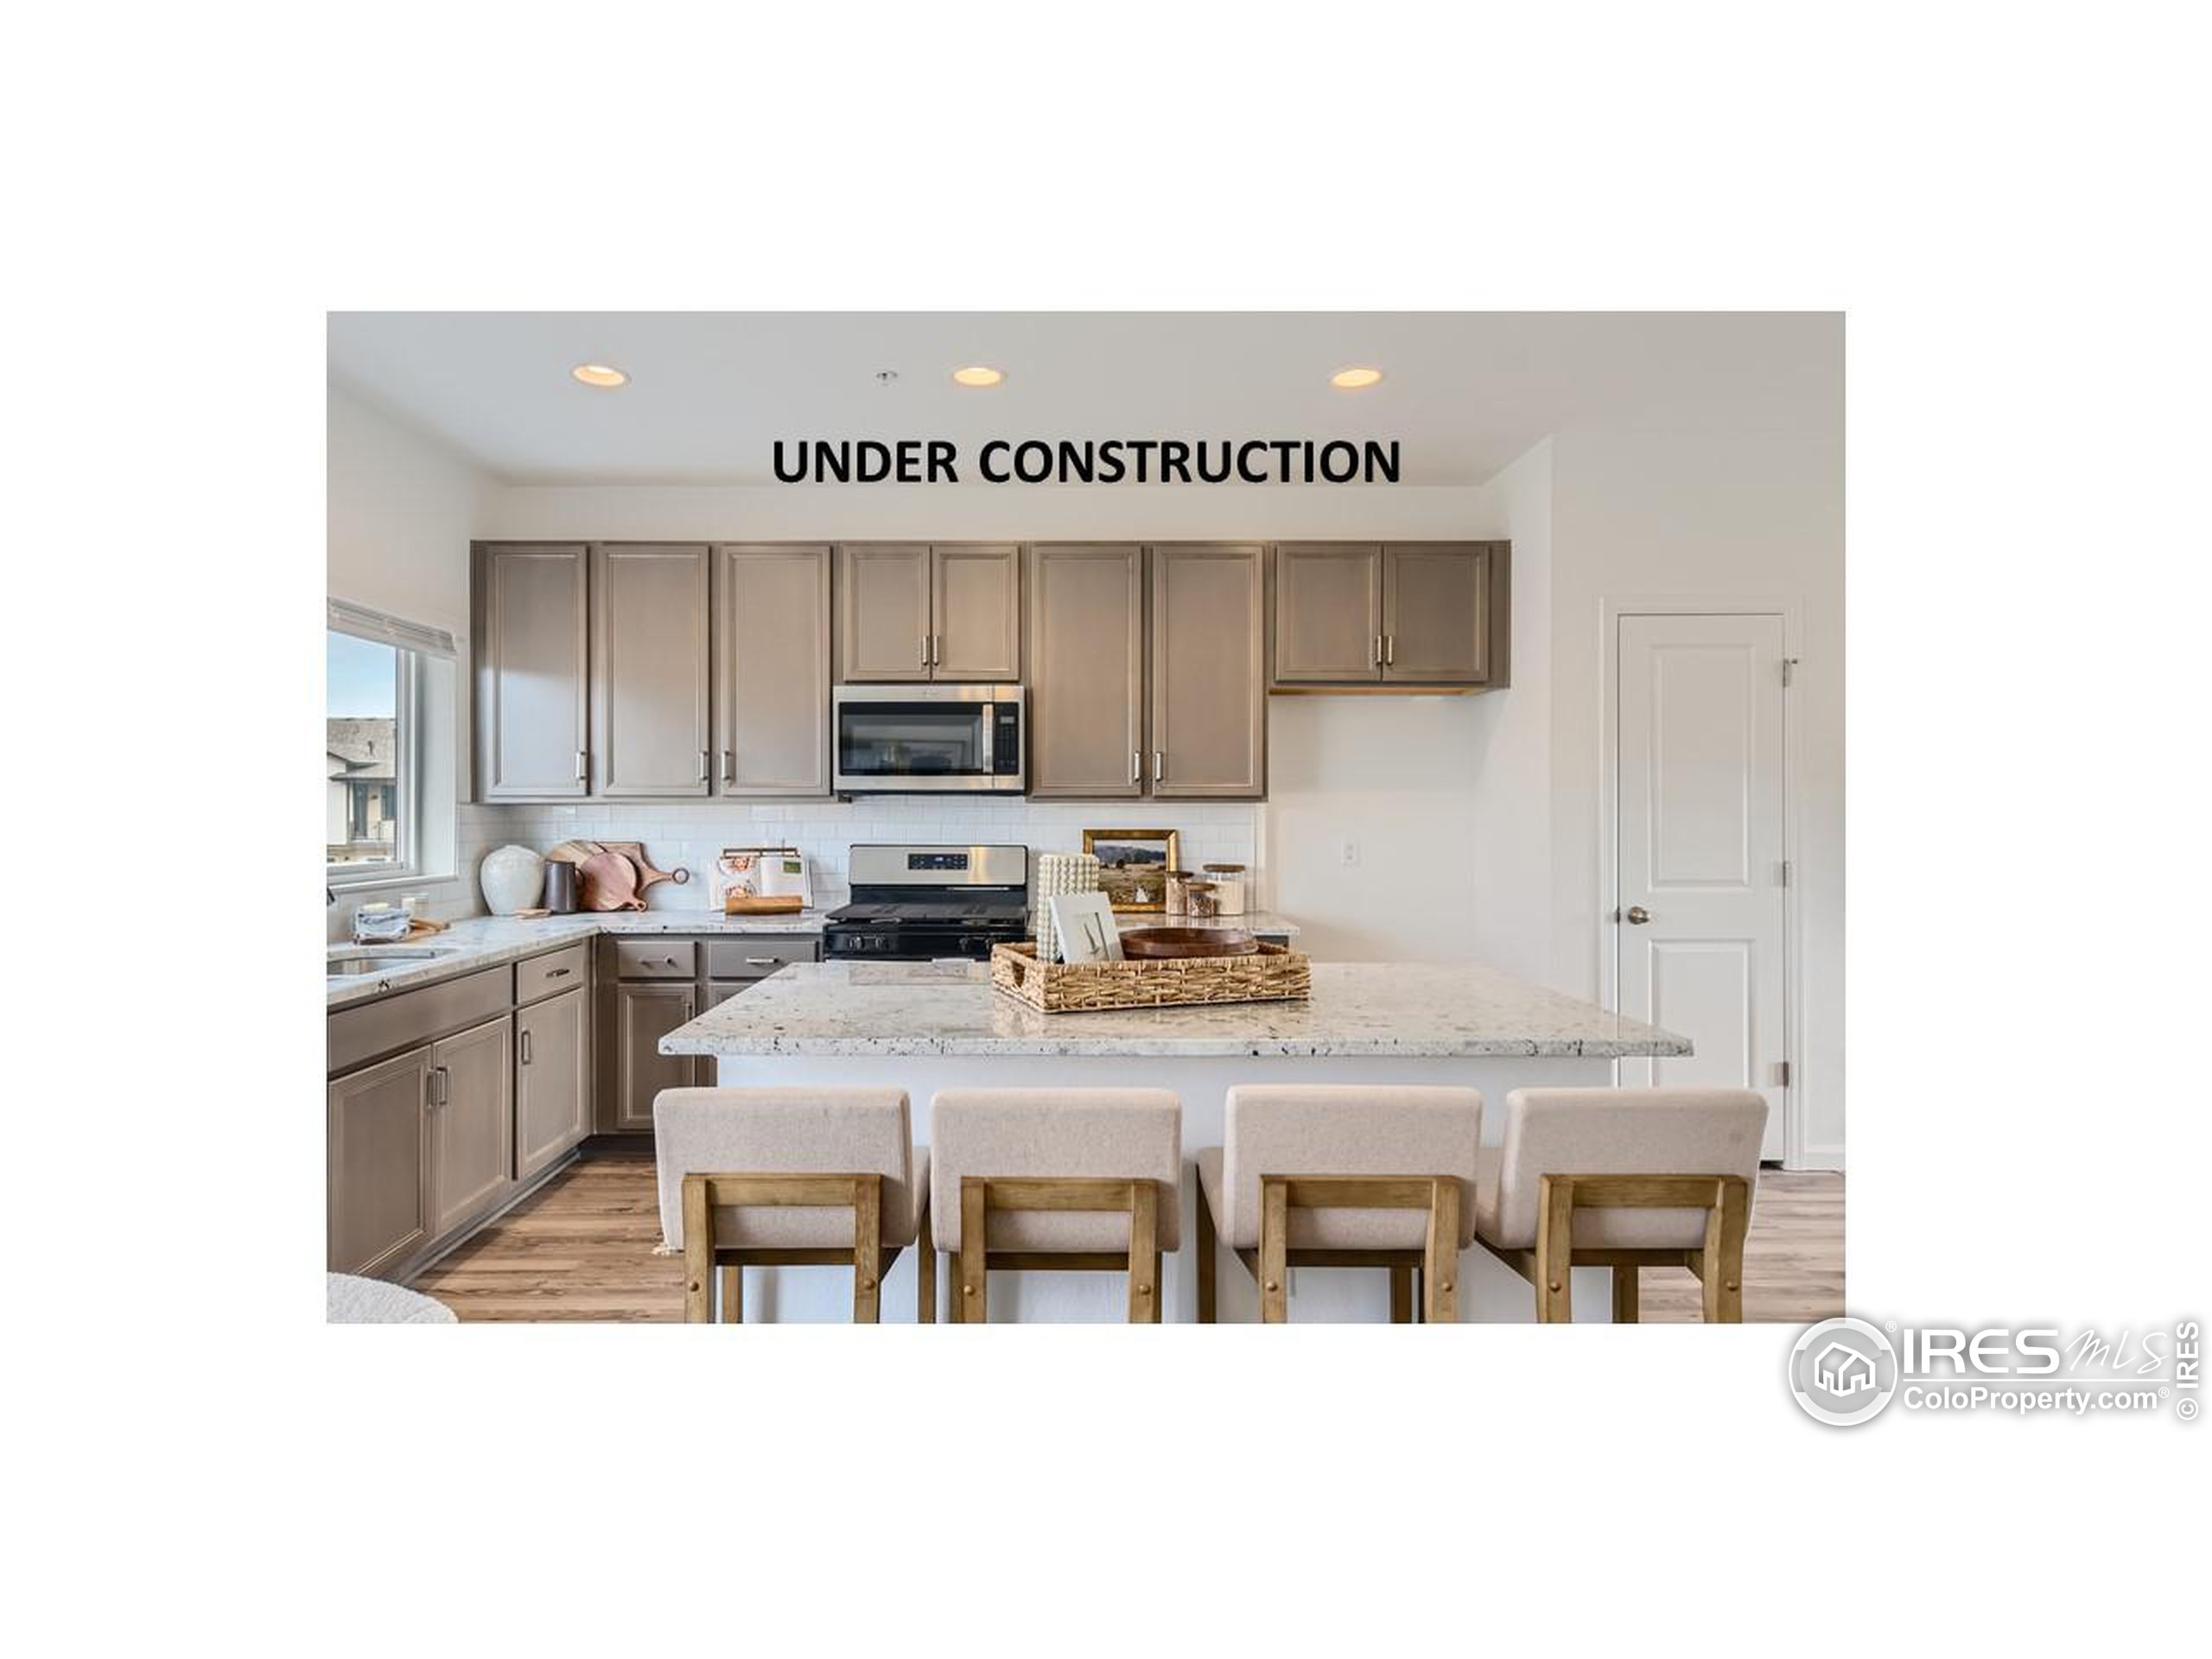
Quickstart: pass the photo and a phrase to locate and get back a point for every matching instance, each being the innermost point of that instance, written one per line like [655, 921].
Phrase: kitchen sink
[356, 964]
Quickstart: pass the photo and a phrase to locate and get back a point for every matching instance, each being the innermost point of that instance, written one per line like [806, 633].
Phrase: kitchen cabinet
[771, 673]
[379, 1192]
[651, 675]
[1328, 612]
[634, 1071]
[1208, 672]
[910, 611]
[472, 1122]
[1411, 613]
[1086, 679]
[531, 669]
[1147, 671]
[552, 1080]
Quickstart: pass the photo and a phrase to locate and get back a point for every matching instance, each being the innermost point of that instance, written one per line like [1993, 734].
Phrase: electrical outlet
[1349, 854]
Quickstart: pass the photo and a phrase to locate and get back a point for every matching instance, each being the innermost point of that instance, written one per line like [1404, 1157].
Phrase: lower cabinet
[472, 1122]
[380, 1165]
[552, 1080]
[634, 1070]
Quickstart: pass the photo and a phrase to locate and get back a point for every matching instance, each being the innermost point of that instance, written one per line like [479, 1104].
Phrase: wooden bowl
[1155, 943]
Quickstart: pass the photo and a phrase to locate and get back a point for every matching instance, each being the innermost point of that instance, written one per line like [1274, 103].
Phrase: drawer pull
[763, 962]
[524, 1046]
[558, 973]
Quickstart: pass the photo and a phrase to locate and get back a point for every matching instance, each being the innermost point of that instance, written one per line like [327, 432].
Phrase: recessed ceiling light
[599, 374]
[976, 374]
[1353, 379]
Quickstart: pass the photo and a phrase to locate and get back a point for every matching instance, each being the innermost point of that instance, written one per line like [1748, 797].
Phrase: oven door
[928, 738]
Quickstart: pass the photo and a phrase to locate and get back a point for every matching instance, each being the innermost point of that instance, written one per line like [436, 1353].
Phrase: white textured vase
[514, 878]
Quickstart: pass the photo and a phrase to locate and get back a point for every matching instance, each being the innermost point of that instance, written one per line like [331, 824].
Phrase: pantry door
[1702, 923]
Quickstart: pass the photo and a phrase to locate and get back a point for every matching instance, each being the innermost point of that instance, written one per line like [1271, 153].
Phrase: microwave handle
[990, 738]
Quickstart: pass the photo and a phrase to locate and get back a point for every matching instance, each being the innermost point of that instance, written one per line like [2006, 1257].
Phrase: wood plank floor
[582, 1247]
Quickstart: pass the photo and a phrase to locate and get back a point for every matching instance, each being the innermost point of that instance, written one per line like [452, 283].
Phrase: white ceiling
[710, 392]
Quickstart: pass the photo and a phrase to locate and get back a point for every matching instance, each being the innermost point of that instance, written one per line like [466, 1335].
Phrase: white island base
[1489, 1290]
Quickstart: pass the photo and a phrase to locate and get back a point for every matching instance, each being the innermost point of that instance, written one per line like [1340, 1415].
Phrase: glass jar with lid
[1229, 887]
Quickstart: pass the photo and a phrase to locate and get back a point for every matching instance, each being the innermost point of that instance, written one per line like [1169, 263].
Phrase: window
[386, 684]
[369, 795]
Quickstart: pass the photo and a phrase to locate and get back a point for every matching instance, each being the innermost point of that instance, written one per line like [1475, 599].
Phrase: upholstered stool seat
[1361, 1177]
[792, 1178]
[1625, 1178]
[1056, 1178]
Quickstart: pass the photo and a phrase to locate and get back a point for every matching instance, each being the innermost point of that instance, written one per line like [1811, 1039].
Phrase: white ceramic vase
[514, 878]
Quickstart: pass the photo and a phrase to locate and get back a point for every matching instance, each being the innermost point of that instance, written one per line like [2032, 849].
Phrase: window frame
[405, 866]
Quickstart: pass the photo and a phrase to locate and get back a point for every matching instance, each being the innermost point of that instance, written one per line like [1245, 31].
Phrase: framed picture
[1133, 864]
[1084, 926]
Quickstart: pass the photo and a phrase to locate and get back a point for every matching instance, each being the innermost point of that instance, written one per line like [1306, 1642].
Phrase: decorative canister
[1203, 900]
[1179, 898]
[512, 878]
[1229, 887]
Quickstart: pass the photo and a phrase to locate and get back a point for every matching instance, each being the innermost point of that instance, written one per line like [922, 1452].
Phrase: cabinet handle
[522, 1046]
[761, 961]
[558, 973]
[1377, 649]
[728, 763]
[937, 649]
[1390, 649]
[1158, 766]
[583, 766]
[1136, 767]
[706, 764]
[438, 1083]
[925, 651]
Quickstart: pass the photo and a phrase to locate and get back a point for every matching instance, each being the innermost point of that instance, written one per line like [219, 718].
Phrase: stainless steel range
[918, 904]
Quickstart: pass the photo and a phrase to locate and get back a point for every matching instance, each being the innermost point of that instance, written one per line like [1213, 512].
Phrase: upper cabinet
[1146, 672]
[1086, 671]
[1208, 672]
[650, 700]
[531, 671]
[908, 611]
[1413, 614]
[771, 670]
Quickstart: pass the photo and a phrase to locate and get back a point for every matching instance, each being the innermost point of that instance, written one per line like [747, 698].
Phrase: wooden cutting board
[635, 852]
[609, 883]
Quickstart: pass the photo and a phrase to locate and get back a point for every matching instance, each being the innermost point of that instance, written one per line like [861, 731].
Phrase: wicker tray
[1274, 975]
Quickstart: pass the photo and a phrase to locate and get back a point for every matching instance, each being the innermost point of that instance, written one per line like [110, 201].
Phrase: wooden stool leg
[1205, 1264]
[732, 1295]
[975, 1276]
[1275, 1253]
[924, 1271]
[1626, 1308]
[698, 1253]
[1555, 1250]
[868, 1248]
[954, 1313]
[1442, 1258]
[1401, 1295]
[1144, 1253]
[1726, 1225]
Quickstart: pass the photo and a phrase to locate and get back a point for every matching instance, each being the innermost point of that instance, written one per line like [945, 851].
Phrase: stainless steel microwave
[901, 740]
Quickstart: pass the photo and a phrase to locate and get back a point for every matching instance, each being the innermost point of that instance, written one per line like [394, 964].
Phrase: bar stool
[1056, 1180]
[782, 1177]
[1329, 1176]
[1625, 1179]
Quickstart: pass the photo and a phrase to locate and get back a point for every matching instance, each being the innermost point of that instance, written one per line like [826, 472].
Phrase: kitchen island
[923, 1026]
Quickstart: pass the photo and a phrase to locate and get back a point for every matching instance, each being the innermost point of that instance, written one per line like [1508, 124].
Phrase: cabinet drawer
[401, 1020]
[755, 957]
[656, 959]
[556, 970]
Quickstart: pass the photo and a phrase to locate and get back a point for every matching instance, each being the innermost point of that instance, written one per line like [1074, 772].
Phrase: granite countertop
[1412, 1009]
[487, 941]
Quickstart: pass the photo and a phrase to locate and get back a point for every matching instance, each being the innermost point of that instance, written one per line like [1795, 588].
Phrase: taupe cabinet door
[1086, 682]
[530, 658]
[552, 1080]
[976, 613]
[646, 1012]
[650, 676]
[1436, 621]
[771, 670]
[1208, 672]
[472, 1122]
[1328, 612]
[884, 617]
[380, 1165]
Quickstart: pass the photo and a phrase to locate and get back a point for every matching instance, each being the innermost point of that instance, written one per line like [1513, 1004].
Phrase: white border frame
[1610, 610]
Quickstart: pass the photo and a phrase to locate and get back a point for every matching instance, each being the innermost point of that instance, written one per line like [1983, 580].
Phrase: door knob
[1637, 915]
